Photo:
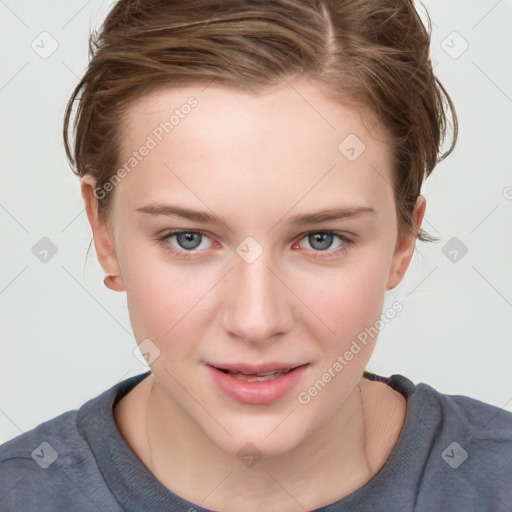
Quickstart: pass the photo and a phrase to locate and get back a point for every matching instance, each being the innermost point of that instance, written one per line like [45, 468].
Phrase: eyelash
[317, 254]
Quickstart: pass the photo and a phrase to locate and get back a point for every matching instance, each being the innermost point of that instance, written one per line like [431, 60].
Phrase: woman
[252, 172]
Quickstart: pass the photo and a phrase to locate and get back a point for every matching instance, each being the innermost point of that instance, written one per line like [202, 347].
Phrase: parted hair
[370, 53]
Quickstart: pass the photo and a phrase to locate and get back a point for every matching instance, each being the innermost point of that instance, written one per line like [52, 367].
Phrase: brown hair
[373, 53]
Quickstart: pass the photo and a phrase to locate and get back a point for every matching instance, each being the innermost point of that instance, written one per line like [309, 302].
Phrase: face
[287, 243]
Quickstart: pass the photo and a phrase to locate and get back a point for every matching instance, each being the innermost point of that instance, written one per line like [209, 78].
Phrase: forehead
[286, 141]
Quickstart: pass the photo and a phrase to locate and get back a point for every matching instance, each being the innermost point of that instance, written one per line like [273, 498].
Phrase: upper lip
[255, 368]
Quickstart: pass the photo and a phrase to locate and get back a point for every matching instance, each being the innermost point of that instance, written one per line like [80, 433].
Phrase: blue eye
[187, 241]
[322, 241]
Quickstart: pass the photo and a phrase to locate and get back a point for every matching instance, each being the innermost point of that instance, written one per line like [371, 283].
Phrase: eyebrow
[210, 218]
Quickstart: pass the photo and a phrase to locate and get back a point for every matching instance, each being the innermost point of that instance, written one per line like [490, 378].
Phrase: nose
[258, 306]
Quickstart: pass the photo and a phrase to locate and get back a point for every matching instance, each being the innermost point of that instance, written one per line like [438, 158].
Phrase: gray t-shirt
[454, 454]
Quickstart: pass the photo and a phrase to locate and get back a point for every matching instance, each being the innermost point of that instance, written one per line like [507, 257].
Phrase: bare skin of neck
[288, 483]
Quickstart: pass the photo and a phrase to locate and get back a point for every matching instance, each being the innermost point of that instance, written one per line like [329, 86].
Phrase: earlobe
[102, 238]
[405, 247]
[114, 283]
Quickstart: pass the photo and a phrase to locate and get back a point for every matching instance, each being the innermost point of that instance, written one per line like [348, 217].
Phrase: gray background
[65, 338]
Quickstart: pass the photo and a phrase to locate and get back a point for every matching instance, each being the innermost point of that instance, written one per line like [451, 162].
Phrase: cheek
[158, 300]
[348, 300]
[167, 302]
[153, 293]
[351, 306]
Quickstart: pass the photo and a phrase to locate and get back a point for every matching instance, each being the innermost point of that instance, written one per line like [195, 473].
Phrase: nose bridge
[257, 307]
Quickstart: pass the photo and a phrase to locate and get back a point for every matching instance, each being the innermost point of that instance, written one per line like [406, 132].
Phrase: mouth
[257, 384]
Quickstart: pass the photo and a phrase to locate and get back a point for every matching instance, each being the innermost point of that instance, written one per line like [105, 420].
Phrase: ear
[103, 240]
[405, 247]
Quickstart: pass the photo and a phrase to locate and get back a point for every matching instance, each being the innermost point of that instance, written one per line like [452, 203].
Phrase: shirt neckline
[136, 488]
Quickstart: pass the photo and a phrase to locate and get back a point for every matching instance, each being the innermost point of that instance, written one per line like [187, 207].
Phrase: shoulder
[58, 429]
[471, 450]
[457, 413]
[470, 417]
[51, 467]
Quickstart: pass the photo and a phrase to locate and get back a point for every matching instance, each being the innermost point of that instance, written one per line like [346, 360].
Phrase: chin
[258, 440]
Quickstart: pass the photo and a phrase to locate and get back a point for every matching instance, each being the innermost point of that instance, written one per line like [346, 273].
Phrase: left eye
[323, 240]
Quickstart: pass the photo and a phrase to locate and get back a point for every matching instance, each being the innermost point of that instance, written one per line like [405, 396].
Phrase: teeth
[262, 374]
[258, 377]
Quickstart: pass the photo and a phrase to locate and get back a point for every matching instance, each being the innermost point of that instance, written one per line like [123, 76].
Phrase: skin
[256, 162]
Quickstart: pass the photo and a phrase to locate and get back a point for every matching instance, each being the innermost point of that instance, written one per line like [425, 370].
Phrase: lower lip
[257, 393]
